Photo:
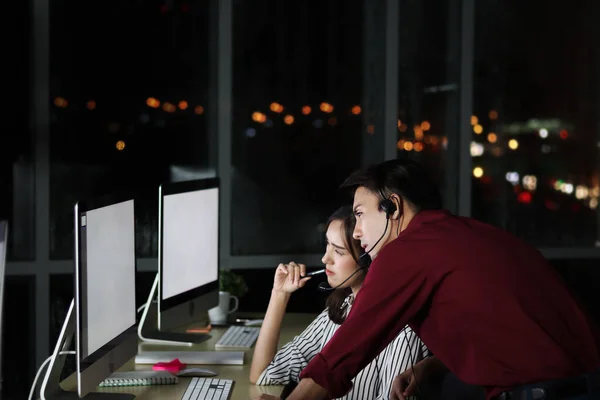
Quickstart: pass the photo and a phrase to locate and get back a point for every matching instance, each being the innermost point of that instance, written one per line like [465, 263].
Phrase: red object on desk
[205, 329]
[173, 367]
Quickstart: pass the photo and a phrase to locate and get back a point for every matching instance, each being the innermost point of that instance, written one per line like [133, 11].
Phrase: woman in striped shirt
[272, 367]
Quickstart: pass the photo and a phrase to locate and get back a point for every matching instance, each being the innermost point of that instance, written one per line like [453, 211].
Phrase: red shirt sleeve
[394, 291]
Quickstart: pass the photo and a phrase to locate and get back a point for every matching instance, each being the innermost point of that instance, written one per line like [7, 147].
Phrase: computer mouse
[199, 372]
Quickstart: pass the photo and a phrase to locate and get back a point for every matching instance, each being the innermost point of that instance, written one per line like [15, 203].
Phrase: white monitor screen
[190, 250]
[109, 237]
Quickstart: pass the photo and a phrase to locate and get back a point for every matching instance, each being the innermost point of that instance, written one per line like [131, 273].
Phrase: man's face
[370, 221]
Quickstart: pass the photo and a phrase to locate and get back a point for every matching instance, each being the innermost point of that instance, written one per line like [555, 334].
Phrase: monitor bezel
[4, 239]
[129, 335]
[193, 294]
[3, 258]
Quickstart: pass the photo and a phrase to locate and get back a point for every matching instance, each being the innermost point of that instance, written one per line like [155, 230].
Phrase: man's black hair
[404, 177]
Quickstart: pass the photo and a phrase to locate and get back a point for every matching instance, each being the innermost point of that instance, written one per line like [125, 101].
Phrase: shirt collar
[348, 301]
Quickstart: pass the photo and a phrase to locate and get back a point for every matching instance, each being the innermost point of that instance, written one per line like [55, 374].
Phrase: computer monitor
[188, 259]
[187, 283]
[103, 313]
[3, 251]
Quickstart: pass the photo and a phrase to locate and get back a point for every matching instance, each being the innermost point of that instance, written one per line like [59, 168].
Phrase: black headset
[388, 207]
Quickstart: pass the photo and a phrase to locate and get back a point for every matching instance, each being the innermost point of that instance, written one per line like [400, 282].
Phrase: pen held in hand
[321, 271]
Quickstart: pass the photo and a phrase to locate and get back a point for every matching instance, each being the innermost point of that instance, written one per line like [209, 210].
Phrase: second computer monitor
[188, 259]
[105, 266]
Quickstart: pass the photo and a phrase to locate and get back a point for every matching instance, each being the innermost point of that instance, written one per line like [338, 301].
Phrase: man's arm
[394, 291]
[309, 389]
[409, 382]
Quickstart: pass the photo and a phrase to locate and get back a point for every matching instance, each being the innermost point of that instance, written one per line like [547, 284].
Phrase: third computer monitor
[3, 251]
[188, 259]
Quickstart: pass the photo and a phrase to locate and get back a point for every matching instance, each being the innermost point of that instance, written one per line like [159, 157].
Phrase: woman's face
[338, 259]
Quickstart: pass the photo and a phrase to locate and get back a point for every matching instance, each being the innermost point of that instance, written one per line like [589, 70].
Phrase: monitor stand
[51, 389]
[148, 327]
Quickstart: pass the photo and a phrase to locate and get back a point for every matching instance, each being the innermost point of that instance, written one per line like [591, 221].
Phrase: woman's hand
[288, 277]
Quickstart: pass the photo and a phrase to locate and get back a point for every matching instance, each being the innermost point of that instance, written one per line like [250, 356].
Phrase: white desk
[293, 324]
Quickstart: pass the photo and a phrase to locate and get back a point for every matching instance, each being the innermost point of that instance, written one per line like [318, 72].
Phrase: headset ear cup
[388, 207]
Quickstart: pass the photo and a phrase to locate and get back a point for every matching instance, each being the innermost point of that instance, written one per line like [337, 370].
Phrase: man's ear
[399, 204]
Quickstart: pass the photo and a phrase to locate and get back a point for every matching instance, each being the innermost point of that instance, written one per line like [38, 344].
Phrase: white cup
[218, 315]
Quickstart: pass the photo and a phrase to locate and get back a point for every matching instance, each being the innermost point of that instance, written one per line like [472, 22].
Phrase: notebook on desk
[139, 378]
[192, 357]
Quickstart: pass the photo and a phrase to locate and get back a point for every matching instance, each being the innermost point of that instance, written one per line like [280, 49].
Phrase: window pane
[61, 295]
[535, 123]
[297, 76]
[428, 98]
[16, 156]
[18, 337]
[129, 101]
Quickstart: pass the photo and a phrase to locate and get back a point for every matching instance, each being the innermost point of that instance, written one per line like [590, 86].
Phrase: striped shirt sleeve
[295, 355]
[406, 350]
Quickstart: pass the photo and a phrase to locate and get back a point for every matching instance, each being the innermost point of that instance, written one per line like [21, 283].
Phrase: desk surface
[293, 324]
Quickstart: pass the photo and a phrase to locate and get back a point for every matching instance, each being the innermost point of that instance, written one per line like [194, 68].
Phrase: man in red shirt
[489, 307]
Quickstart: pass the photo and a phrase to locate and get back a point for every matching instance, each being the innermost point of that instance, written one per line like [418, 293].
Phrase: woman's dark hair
[404, 177]
[337, 297]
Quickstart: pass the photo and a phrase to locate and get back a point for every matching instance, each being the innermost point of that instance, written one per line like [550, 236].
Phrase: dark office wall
[582, 277]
